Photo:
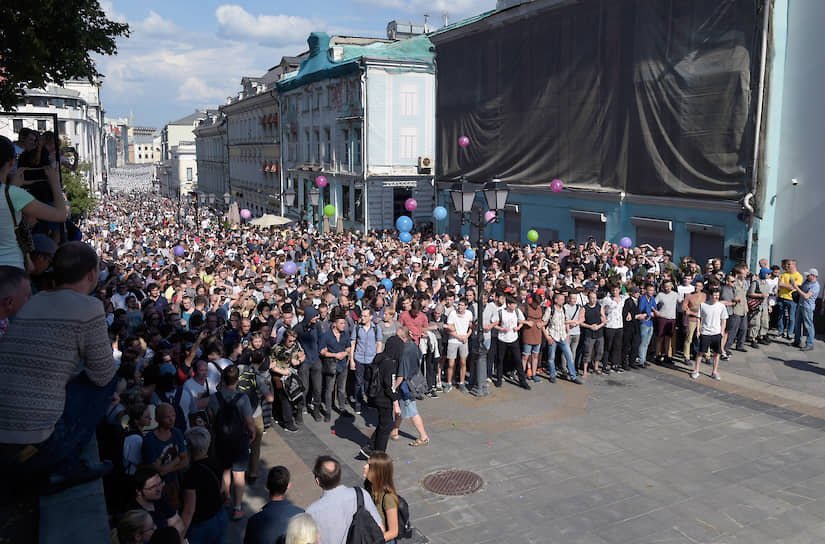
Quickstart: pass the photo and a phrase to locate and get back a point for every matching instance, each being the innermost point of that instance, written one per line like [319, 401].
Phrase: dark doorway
[399, 197]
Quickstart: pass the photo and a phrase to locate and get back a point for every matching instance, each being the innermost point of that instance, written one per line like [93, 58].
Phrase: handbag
[293, 387]
[22, 232]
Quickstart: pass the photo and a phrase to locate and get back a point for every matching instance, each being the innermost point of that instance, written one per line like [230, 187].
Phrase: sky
[184, 55]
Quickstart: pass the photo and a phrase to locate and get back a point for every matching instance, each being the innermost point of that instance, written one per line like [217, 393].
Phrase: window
[189, 174]
[17, 124]
[316, 146]
[356, 146]
[327, 146]
[359, 205]
[345, 206]
[346, 155]
[318, 99]
[41, 125]
[61, 127]
[408, 143]
[307, 145]
[409, 101]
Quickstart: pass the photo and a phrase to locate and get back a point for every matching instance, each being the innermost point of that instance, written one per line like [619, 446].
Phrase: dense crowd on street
[191, 339]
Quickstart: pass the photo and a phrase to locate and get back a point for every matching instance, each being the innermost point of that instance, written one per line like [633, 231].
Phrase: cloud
[235, 23]
[435, 8]
[155, 25]
[195, 89]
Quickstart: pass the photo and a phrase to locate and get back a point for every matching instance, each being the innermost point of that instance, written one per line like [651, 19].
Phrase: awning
[653, 224]
[593, 217]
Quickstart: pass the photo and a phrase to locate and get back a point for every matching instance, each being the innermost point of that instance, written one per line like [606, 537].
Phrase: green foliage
[77, 190]
[51, 41]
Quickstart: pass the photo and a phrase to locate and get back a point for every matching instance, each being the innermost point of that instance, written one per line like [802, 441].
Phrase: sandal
[237, 514]
[418, 442]
[395, 437]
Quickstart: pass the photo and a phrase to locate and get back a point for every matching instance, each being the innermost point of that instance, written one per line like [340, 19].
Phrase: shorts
[527, 349]
[456, 348]
[240, 463]
[712, 342]
[408, 408]
[665, 327]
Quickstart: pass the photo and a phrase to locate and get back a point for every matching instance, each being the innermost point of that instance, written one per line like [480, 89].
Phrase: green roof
[320, 65]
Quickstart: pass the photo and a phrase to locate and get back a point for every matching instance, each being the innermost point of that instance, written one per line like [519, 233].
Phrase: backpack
[230, 430]
[363, 529]
[248, 384]
[405, 529]
[375, 386]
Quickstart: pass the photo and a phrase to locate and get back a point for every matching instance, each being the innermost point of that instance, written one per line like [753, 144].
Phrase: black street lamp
[463, 195]
[314, 197]
[289, 197]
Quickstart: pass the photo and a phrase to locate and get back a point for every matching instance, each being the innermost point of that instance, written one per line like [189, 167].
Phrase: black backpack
[375, 386]
[363, 529]
[405, 529]
[231, 438]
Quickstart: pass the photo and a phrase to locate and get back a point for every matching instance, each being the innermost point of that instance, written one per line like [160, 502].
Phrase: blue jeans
[210, 531]
[804, 317]
[788, 306]
[568, 356]
[646, 334]
[85, 406]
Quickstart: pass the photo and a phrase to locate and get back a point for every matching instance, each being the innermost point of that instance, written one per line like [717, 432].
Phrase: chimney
[426, 23]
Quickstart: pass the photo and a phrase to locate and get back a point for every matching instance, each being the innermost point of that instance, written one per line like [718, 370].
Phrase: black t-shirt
[160, 515]
[205, 480]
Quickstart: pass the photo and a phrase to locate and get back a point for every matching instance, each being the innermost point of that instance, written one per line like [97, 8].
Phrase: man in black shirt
[270, 523]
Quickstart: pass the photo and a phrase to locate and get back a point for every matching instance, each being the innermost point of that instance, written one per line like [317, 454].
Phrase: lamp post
[314, 196]
[196, 201]
[226, 198]
[288, 198]
[463, 196]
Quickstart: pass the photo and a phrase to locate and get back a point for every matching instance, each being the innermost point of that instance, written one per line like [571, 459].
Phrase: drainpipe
[747, 203]
[364, 136]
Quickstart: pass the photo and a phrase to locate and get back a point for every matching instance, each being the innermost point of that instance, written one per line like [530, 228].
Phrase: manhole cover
[453, 482]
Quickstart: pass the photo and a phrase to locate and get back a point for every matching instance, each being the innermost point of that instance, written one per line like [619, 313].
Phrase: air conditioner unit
[425, 165]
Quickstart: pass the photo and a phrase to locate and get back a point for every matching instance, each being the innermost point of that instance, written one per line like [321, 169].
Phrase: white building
[212, 156]
[177, 171]
[79, 117]
[362, 114]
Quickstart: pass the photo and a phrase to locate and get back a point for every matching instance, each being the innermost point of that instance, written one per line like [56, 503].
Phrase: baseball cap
[812, 272]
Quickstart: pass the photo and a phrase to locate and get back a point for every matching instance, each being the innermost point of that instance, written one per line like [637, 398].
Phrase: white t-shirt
[509, 320]
[713, 317]
[461, 324]
[667, 304]
[214, 376]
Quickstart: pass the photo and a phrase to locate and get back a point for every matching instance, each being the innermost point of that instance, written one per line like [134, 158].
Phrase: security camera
[795, 181]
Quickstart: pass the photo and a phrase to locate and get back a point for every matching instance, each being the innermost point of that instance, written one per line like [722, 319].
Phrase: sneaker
[552, 379]
[447, 388]
[291, 428]
[358, 409]
[806, 348]
[439, 388]
[694, 375]
[716, 376]
[606, 370]
[317, 416]
[365, 451]
[725, 356]
[526, 385]
[462, 387]
[578, 381]
[619, 370]
[536, 379]
[432, 394]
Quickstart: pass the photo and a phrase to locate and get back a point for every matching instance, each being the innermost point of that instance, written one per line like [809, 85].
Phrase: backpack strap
[359, 498]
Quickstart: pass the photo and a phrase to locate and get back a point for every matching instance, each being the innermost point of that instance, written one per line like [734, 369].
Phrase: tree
[77, 191]
[51, 41]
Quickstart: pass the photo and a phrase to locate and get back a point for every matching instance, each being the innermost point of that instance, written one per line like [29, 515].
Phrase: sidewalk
[645, 456]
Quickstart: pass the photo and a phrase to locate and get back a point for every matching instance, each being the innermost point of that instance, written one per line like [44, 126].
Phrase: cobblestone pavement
[648, 456]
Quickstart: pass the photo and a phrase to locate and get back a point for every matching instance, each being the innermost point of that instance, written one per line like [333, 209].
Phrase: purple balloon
[245, 213]
[179, 251]
[289, 268]
[557, 185]
[463, 141]
[321, 182]
[626, 242]
[410, 204]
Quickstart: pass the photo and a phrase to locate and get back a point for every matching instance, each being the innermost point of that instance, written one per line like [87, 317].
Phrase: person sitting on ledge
[58, 378]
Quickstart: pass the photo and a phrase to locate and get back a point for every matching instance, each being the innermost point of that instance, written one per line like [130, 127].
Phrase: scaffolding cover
[651, 97]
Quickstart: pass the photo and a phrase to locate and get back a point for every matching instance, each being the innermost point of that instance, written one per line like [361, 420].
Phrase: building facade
[80, 121]
[360, 113]
[140, 146]
[177, 171]
[212, 156]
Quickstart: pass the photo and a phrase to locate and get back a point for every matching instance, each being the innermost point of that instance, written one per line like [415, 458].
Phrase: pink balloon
[410, 204]
[557, 185]
[246, 214]
[463, 141]
[321, 182]
[490, 216]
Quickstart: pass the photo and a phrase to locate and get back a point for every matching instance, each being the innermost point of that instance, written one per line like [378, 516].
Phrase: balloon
[405, 237]
[469, 254]
[533, 236]
[489, 216]
[431, 249]
[289, 268]
[463, 141]
[179, 251]
[246, 214]
[439, 213]
[626, 242]
[329, 210]
[321, 182]
[557, 185]
[410, 204]
[404, 223]
[387, 283]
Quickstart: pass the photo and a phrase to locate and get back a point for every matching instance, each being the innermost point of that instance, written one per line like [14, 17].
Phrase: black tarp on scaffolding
[652, 97]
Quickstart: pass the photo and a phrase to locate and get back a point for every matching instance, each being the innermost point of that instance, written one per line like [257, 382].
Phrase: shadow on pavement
[806, 366]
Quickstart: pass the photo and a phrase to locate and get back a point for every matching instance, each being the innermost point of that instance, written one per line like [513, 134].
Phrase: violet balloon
[289, 268]
[246, 214]
[463, 141]
[410, 204]
[179, 251]
[557, 185]
[626, 242]
[321, 182]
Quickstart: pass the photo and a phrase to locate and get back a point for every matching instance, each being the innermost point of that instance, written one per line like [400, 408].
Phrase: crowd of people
[194, 341]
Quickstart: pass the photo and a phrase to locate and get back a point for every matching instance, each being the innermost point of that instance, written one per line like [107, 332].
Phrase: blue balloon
[404, 223]
[440, 213]
[405, 237]
[387, 283]
[469, 254]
